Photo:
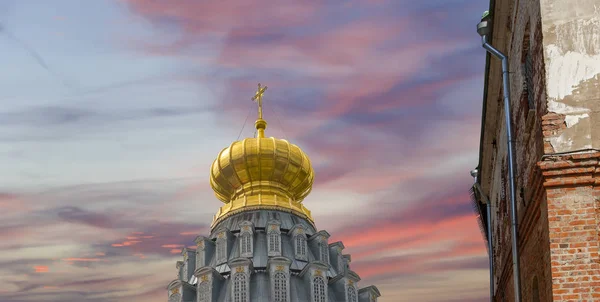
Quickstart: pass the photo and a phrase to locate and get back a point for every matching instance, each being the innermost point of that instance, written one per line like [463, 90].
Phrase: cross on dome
[258, 99]
[260, 124]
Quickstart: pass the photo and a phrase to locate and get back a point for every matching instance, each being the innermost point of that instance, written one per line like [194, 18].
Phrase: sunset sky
[111, 113]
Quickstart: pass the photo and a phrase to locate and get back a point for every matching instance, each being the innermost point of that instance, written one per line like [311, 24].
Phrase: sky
[112, 111]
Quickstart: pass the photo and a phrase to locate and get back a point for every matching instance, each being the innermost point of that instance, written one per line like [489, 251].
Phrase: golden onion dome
[261, 173]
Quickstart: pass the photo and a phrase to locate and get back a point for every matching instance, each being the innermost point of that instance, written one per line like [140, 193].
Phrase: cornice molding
[570, 170]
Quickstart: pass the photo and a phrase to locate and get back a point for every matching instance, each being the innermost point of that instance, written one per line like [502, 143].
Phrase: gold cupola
[261, 173]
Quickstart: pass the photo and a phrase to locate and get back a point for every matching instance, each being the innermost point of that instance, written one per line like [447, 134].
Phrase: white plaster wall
[571, 31]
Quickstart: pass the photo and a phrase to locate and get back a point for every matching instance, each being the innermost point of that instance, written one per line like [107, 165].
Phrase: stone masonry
[554, 57]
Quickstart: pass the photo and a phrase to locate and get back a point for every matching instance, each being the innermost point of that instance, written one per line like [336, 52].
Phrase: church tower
[263, 244]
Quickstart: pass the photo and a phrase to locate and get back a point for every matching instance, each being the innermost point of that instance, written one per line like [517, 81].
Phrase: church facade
[553, 50]
[263, 244]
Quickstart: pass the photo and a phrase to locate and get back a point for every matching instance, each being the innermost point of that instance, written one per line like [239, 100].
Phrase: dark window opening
[527, 97]
[535, 292]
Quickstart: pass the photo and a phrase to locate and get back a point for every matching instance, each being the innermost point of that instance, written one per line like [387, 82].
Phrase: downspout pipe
[484, 29]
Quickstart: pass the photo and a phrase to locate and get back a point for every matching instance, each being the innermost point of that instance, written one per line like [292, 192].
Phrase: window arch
[323, 251]
[527, 96]
[240, 287]
[204, 292]
[221, 251]
[351, 293]
[280, 287]
[274, 242]
[319, 290]
[246, 245]
[300, 246]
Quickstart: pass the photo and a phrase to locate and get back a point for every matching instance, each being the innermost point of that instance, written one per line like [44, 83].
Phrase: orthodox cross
[258, 98]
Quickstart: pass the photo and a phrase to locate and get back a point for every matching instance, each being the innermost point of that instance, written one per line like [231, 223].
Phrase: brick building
[553, 48]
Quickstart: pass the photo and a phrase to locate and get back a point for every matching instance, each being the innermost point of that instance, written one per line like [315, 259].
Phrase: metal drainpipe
[484, 30]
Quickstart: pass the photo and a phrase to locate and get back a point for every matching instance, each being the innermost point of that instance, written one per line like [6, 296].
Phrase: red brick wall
[573, 217]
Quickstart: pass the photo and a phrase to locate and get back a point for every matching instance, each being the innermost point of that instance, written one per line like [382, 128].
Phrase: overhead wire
[279, 122]
[245, 121]
[38, 58]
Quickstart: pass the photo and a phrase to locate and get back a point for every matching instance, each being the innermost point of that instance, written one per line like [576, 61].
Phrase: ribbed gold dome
[261, 173]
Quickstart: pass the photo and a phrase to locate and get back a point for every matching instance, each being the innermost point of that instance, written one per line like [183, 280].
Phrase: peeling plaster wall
[571, 30]
[555, 99]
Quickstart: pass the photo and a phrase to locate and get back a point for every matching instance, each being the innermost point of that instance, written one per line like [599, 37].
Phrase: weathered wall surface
[518, 33]
[573, 216]
[571, 30]
[571, 39]
[553, 48]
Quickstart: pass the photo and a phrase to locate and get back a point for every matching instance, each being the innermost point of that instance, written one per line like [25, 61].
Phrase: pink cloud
[126, 243]
[191, 233]
[13, 203]
[214, 20]
[83, 259]
[172, 246]
[416, 263]
[405, 230]
[139, 255]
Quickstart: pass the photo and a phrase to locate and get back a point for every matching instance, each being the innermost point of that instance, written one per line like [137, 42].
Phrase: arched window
[204, 292]
[324, 252]
[274, 242]
[527, 96]
[240, 288]
[351, 292]
[300, 246]
[221, 251]
[535, 291]
[280, 287]
[319, 294]
[246, 245]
